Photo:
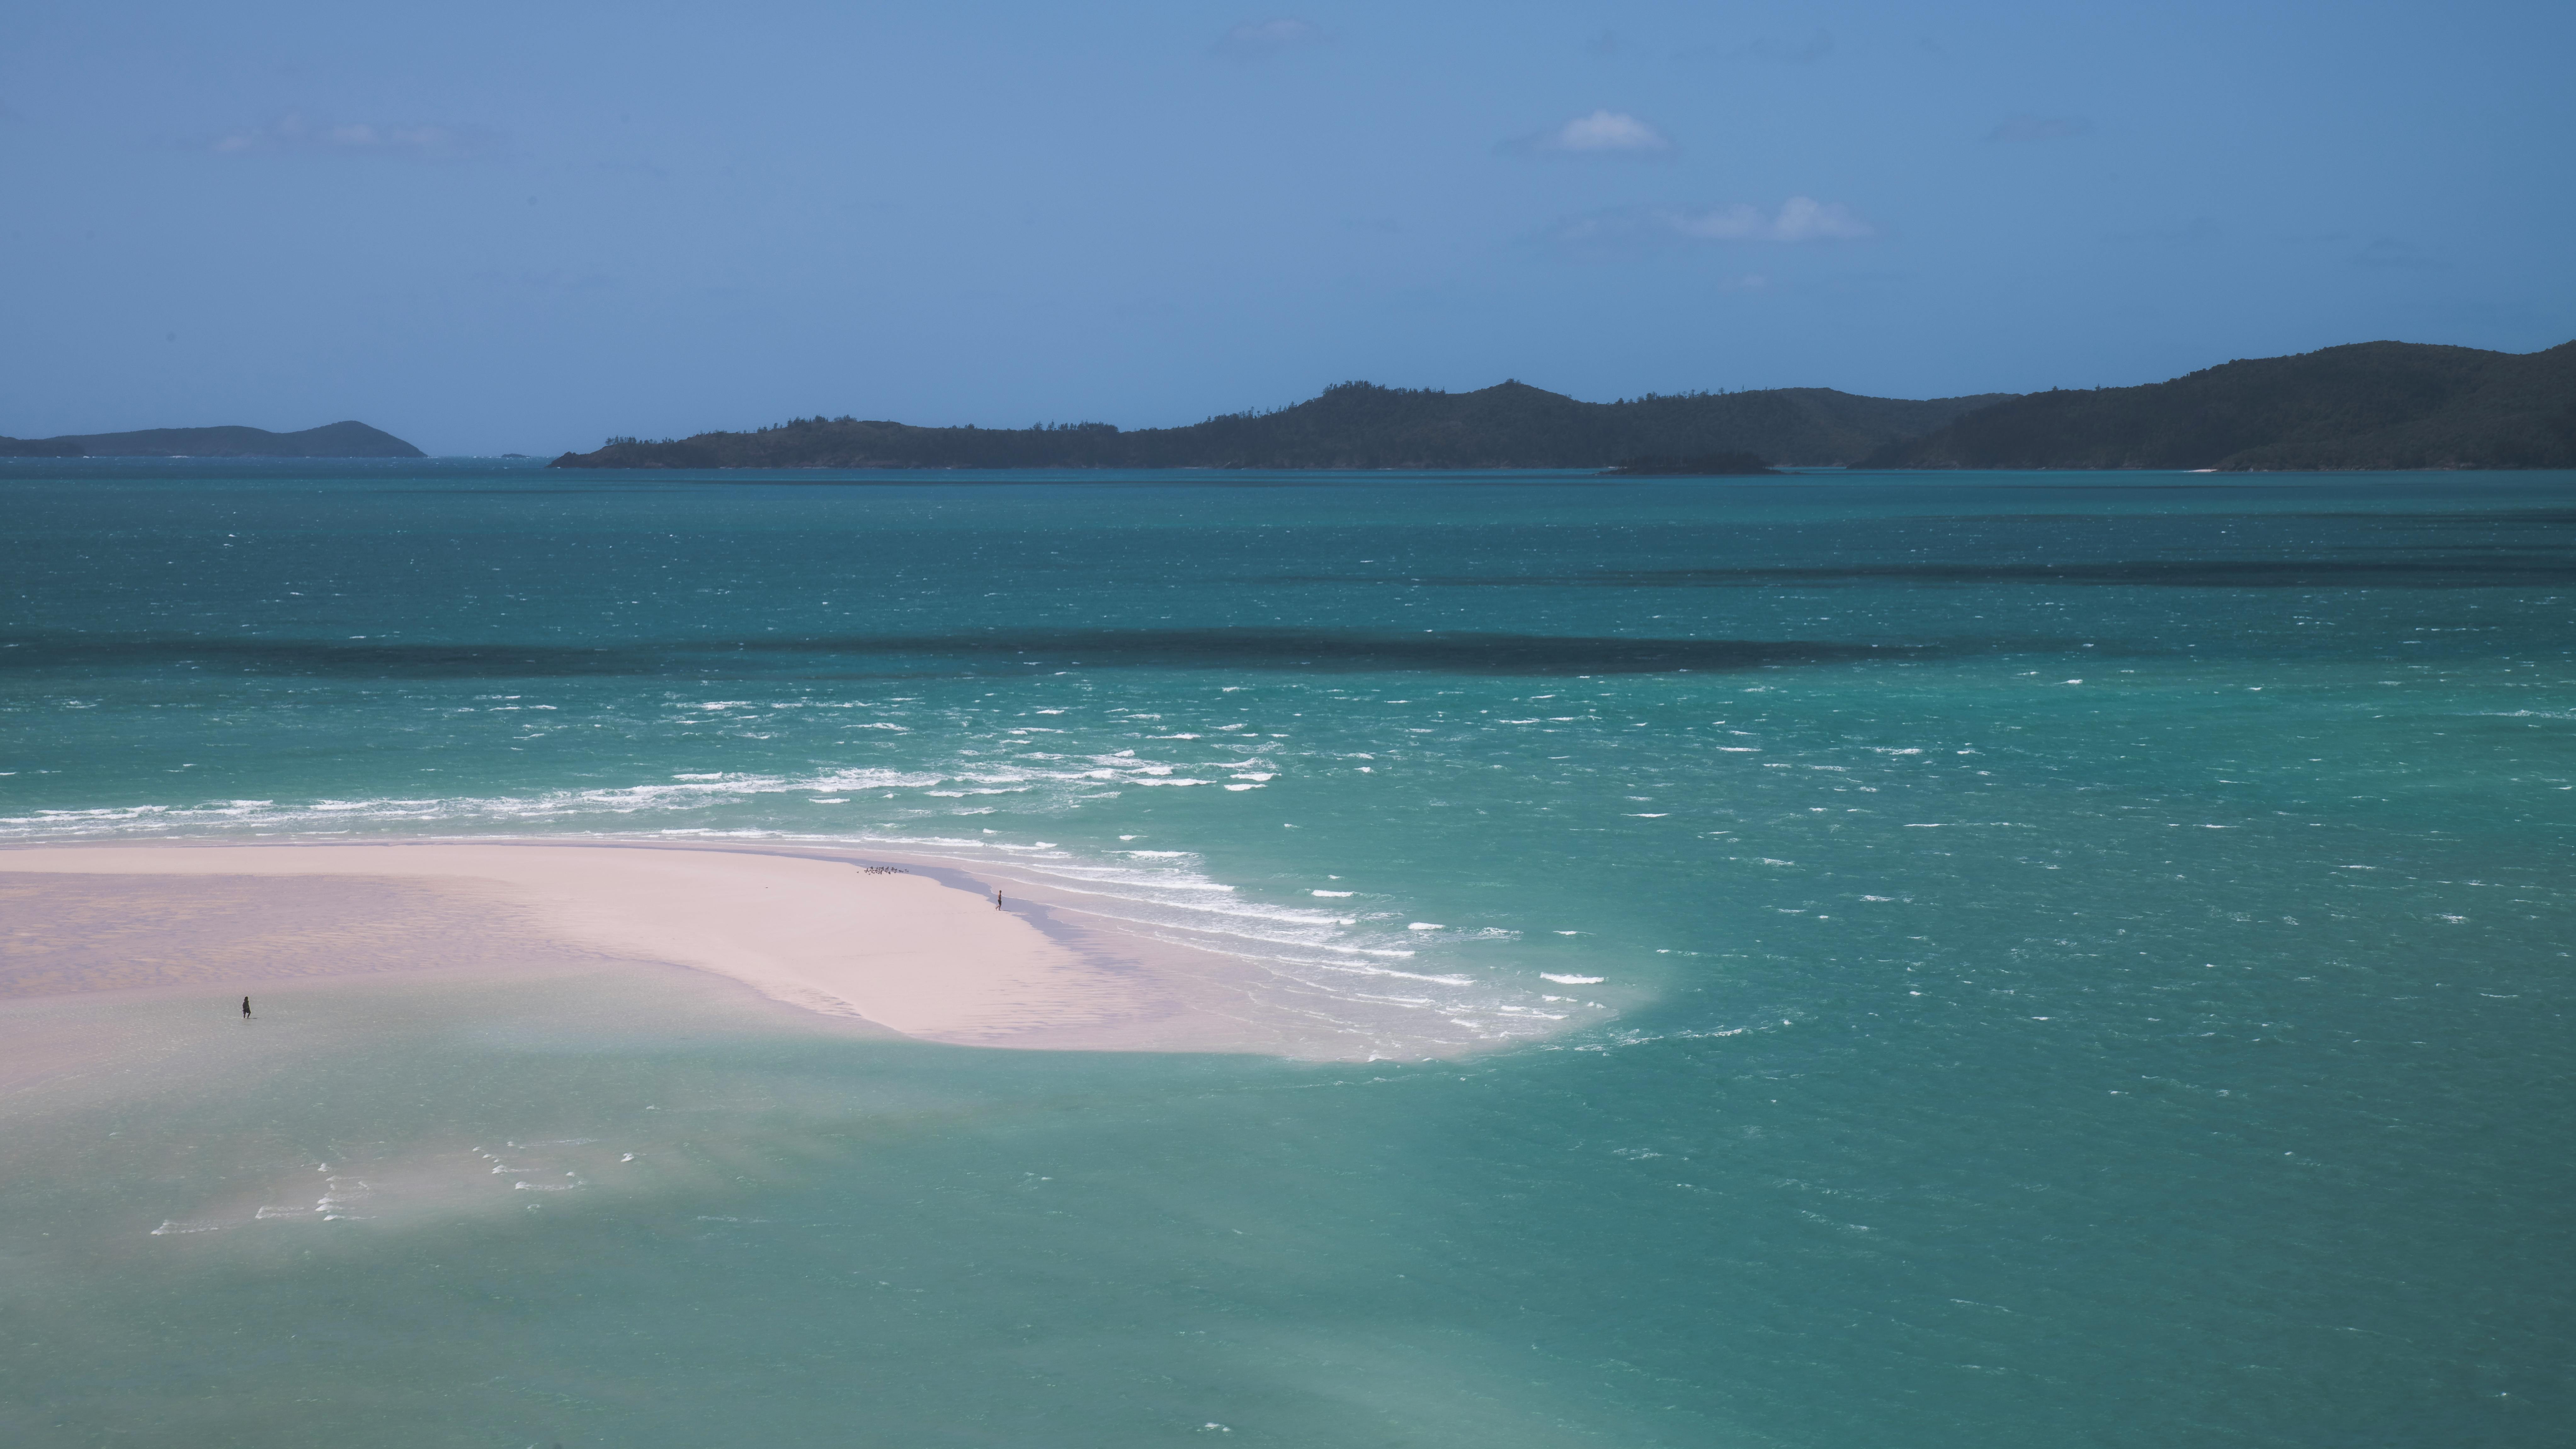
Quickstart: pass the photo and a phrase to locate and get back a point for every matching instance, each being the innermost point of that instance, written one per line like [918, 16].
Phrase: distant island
[2368, 405]
[332, 440]
[1706, 465]
[1353, 425]
[2397, 405]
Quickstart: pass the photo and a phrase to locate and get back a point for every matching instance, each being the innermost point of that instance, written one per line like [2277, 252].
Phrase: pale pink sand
[902, 951]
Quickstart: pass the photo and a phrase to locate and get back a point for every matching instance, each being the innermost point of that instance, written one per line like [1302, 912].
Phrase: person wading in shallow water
[997, 900]
[245, 1008]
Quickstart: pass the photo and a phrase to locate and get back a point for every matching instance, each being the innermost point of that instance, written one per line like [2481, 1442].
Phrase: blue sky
[523, 227]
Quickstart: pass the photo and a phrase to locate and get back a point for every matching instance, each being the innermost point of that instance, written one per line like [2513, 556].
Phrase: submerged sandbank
[918, 950]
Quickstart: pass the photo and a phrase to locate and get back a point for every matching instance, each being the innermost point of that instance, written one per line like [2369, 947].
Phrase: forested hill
[332, 440]
[1354, 425]
[2369, 405]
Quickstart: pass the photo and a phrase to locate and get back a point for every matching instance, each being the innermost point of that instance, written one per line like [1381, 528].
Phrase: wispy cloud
[409, 142]
[1261, 39]
[1603, 133]
[1627, 229]
[2039, 128]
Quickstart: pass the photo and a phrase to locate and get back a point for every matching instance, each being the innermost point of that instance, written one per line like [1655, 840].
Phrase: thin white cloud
[2039, 128]
[1799, 219]
[1603, 133]
[297, 133]
[1260, 39]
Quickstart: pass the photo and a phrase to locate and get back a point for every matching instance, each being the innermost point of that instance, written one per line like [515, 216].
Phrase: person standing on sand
[997, 900]
[245, 1008]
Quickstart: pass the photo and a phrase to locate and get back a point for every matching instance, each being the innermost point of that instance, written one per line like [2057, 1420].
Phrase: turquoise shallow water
[2082, 958]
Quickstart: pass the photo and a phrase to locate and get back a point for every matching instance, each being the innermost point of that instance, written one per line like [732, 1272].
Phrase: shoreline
[901, 943]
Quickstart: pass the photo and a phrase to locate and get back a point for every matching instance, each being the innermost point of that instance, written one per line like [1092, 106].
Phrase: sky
[524, 227]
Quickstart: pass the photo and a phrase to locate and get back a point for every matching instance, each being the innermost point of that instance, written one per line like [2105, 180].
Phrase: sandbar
[917, 950]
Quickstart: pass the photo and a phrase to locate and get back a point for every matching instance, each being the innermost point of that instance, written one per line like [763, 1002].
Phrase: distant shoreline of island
[2376, 406]
[1352, 426]
[2371, 405]
[331, 440]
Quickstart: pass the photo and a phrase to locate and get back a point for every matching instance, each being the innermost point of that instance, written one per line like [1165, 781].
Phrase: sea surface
[1956, 960]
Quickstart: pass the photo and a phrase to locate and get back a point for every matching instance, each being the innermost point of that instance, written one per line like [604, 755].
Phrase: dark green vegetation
[2370, 405]
[1354, 425]
[332, 440]
[1706, 465]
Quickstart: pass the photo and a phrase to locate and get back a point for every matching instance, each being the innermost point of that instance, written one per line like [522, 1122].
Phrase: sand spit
[922, 952]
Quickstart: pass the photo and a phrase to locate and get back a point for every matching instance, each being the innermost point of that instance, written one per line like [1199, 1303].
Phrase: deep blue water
[2084, 957]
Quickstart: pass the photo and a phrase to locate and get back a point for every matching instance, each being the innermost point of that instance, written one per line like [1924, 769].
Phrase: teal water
[2083, 959]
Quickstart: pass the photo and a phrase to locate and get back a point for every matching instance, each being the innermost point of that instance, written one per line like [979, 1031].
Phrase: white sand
[903, 951]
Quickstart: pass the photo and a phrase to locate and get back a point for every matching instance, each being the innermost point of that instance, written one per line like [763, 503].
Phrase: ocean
[1944, 960]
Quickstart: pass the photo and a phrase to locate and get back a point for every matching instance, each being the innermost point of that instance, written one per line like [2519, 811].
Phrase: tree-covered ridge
[331, 440]
[2369, 405]
[1353, 425]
